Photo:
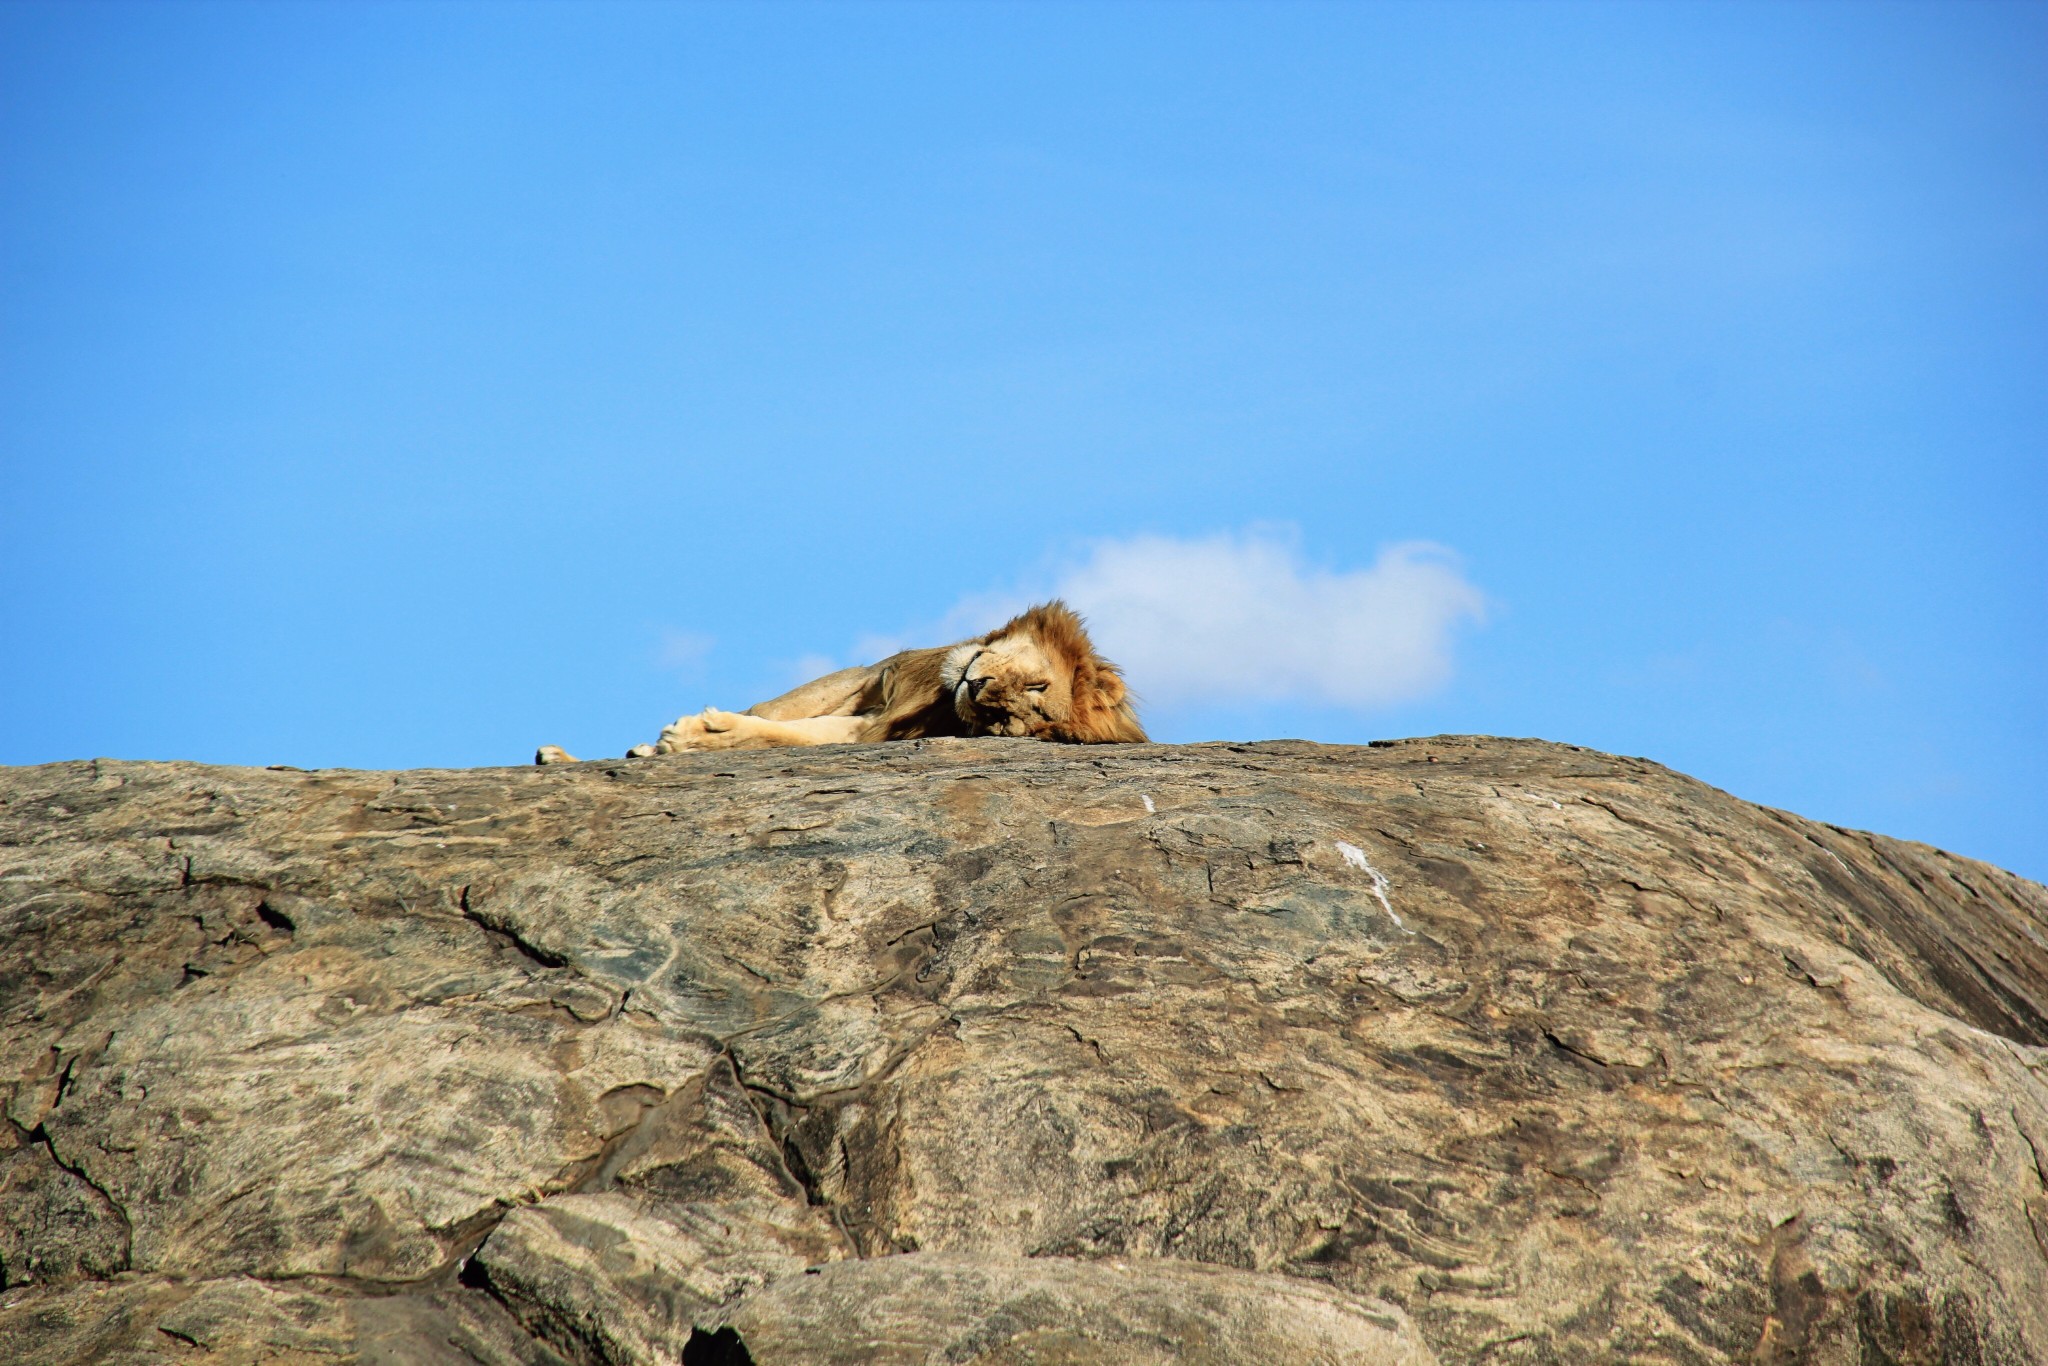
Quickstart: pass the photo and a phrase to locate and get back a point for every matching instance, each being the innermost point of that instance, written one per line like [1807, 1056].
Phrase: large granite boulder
[1453, 1050]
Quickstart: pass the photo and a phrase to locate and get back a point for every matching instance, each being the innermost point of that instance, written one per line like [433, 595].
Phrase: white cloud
[1244, 618]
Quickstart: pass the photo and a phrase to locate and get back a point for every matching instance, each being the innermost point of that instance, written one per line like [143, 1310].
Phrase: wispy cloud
[683, 652]
[1244, 617]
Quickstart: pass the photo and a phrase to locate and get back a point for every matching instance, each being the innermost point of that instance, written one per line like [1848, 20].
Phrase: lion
[1037, 676]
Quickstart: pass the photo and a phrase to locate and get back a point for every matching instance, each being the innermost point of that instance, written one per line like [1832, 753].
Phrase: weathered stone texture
[1454, 1050]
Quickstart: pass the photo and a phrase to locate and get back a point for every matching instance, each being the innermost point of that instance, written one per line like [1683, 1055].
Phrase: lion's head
[1039, 676]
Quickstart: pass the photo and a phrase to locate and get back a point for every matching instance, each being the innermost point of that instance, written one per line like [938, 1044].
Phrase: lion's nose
[975, 685]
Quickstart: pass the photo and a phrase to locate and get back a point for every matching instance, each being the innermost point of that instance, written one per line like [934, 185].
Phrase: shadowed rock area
[1454, 1050]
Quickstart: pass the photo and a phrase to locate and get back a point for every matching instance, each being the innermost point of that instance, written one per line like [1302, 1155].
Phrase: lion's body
[1036, 676]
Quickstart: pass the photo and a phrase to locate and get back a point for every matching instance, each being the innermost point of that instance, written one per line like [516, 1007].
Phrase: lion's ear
[1102, 706]
[1103, 682]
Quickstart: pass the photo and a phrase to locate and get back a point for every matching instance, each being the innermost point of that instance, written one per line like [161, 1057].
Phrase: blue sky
[405, 385]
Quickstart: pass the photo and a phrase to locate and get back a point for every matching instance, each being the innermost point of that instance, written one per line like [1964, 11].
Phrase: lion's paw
[709, 729]
[680, 736]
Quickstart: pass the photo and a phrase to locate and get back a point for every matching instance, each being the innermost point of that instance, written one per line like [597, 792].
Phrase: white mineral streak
[1355, 856]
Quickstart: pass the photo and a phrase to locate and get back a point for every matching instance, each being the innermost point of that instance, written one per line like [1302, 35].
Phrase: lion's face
[1008, 686]
[1039, 677]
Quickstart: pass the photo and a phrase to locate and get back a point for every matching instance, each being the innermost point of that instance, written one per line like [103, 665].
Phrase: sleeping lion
[1036, 676]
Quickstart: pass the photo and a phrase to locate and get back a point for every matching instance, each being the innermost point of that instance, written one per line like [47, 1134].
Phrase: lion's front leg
[712, 729]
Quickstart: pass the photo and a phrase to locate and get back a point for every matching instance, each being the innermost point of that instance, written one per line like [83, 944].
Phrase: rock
[988, 1051]
[903, 1311]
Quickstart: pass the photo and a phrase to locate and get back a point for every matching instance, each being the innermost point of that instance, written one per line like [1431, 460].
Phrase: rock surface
[1453, 1050]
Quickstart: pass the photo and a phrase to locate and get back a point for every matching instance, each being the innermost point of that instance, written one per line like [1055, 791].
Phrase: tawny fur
[1036, 676]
